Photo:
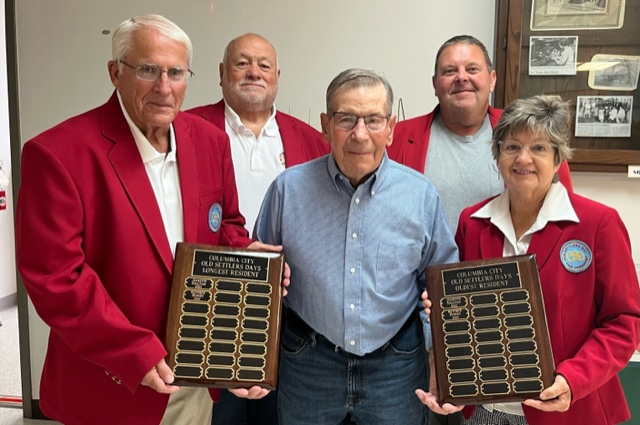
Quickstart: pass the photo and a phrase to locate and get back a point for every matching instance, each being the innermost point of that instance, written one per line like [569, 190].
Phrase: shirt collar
[270, 128]
[556, 207]
[373, 183]
[147, 151]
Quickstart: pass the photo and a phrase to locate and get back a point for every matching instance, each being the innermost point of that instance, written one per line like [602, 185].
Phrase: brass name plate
[223, 327]
[489, 330]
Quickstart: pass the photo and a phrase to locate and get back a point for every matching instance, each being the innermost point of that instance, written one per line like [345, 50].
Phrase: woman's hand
[556, 398]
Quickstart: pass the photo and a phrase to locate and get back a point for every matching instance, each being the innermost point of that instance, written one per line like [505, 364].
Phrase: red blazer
[301, 142]
[411, 141]
[96, 262]
[593, 316]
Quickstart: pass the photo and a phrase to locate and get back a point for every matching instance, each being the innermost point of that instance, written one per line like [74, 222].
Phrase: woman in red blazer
[587, 273]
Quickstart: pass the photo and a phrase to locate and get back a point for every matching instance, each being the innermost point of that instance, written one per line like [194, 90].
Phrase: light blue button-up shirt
[357, 256]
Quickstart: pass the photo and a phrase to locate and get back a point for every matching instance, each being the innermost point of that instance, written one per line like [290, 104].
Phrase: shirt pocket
[394, 264]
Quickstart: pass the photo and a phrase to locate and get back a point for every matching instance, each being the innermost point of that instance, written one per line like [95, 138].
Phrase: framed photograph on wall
[553, 55]
[550, 15]
[614, 72]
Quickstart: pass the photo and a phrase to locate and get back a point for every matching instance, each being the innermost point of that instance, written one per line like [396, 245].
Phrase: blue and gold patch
[575, 256]
[215, 217]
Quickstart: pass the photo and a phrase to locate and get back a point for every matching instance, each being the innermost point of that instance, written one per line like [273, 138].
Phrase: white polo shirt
[257, 161]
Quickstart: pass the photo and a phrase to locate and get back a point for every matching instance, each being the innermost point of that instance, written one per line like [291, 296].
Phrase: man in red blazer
[264, 142]
[104, 198]
[456, 133]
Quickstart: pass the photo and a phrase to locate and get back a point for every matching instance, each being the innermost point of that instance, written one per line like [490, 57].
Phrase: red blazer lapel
[128, 165]
[187, 165]
[544, 242]
[491, 242]
[292, 141]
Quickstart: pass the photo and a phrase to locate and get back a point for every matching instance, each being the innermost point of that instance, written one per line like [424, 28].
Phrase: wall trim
[8, 301]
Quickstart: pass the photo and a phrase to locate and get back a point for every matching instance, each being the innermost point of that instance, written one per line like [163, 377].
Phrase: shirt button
[354, 235]
[373, 192]
[352, 270]
[357, 201]
[352, 342]
[352, 306]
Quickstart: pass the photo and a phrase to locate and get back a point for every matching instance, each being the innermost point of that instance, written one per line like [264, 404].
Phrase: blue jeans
[321, 384]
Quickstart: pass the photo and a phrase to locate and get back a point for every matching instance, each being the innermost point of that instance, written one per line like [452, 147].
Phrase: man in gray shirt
[358, 231]
[450, 145]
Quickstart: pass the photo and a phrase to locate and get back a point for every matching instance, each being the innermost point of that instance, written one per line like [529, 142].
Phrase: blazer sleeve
[616, 330]
[66, 292]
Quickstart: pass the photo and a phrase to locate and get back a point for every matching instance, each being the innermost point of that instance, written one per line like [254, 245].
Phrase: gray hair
[355, 78]
[122, 40]
[547, 116]
[463, 39]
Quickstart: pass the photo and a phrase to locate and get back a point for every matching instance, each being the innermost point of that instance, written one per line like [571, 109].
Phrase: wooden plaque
[223, 326]
[490, 336]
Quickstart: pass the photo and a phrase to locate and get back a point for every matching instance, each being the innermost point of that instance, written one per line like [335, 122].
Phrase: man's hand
[286, 272]
[252, 393]
[159, 378]
[426, 303]
[430, 399]
[556, 398]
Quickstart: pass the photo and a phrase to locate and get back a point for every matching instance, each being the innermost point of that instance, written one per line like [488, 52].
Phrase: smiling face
[526, 175]
[463, 81]
[152, 105]
[358, 152]
[249, 74]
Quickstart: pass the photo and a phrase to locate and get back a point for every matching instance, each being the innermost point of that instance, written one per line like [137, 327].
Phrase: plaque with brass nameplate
[223, 323]
[490, 337]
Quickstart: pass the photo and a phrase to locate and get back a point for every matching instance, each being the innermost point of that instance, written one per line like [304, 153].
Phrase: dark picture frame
[602, 154]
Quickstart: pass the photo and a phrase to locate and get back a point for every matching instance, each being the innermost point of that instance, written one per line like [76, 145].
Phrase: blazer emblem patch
[215, 217]
[575, 256]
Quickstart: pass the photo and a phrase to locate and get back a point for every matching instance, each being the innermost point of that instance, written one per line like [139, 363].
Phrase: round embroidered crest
[575, 256]
[215, 217]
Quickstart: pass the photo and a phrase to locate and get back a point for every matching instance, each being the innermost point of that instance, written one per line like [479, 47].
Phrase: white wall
[617, 191]
[7, 248]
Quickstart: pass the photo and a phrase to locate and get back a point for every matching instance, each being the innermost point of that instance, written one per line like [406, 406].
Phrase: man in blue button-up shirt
[358, 231]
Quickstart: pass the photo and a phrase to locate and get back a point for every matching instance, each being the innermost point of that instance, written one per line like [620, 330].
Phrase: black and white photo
[553, 55]
[603, 116]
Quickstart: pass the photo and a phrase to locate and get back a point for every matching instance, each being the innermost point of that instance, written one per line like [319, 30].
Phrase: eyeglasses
[540, 150]
[347, 122]
[152, 72]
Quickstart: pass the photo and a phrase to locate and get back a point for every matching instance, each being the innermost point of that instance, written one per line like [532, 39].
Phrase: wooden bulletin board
[578, 17]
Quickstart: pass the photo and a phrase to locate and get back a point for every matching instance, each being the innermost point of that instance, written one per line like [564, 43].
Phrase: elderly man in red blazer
[264, 141]
[104, 198]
